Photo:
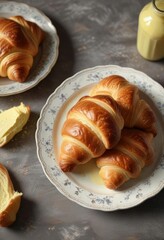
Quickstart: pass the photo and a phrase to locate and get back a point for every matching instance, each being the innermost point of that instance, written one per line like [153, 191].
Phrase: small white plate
[48, 51]
[83, 185]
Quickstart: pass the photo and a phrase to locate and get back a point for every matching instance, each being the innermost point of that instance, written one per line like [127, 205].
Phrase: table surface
[91, 33]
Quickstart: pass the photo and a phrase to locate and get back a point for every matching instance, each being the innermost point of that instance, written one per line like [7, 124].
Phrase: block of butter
[12, 121]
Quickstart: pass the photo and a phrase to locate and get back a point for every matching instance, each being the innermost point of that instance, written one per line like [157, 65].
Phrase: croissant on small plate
[92, 125]
[126, 160]
[19, 43]
[135, 111]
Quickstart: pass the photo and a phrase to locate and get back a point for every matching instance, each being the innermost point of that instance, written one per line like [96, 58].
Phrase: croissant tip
[153, 132]
[67, 167]
[18, 76]
[112, 185]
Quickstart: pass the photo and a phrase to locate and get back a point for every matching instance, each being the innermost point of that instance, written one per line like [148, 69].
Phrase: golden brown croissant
[19, 43]
[135, 111]
[9, 199]
[93, 125]
[127, 158]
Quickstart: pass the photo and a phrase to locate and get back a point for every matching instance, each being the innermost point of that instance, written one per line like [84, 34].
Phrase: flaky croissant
[93, 125]
[19, 43]
[135, 111]
[9, 199]
[127, 158]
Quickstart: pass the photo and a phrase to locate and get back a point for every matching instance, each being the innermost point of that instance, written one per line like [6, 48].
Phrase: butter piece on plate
[12, 121]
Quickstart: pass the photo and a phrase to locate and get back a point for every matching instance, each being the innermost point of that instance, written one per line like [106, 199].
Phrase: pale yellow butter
[12, 121]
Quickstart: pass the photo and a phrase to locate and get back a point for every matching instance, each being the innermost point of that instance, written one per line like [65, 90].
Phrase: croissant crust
[135, 111]
[93, 125]
[126, 160]
[19, 43]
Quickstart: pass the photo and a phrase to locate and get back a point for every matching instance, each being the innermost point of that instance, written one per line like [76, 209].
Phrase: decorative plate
[48, 51]
[83, 185]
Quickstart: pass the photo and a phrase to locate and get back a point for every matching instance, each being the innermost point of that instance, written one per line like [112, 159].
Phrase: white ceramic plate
[83, 185]
[48, 51]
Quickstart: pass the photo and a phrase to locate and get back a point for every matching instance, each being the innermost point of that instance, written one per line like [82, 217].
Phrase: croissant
[19, 43]
[93, 125]
[9, 199]
[126, 160]
[135, 111]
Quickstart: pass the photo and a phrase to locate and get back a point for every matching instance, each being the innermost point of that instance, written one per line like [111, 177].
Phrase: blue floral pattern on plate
[74, 186]
[48, 51]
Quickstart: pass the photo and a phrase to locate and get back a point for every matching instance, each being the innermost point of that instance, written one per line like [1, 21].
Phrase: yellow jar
[150, 37]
